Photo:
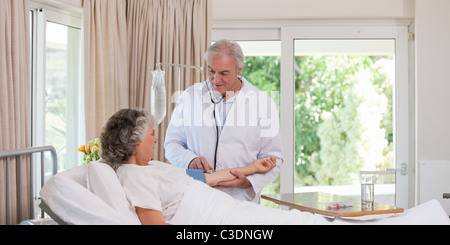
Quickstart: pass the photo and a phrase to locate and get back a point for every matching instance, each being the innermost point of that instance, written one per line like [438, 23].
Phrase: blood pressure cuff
[197, 174]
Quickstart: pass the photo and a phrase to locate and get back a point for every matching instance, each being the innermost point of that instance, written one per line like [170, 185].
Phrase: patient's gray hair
[227, 47]
[122, 132]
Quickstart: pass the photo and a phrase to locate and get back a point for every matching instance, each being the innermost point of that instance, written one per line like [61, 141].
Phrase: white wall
[432, 28]
[74, 7]
[433, 79]
[66, 3]
[311, 9]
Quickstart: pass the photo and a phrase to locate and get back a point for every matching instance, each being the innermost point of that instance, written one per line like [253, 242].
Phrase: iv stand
[199, 68]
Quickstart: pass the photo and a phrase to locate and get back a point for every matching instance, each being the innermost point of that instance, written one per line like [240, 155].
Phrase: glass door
[62, 81]
[57, 85]
[345, 91]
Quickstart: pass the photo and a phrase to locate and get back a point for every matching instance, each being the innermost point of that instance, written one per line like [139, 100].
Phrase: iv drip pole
[199, 68]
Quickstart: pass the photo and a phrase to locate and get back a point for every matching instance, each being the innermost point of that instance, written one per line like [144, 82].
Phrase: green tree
[323, 86]
[351, 137]
[321, 82]
[264, 72]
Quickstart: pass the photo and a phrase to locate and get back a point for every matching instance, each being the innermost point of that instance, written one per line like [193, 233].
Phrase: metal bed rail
[18, 155]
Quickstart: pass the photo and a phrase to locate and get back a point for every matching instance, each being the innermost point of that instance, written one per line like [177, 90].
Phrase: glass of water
[367, 191]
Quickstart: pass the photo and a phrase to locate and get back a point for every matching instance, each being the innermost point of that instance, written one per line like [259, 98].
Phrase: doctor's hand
[240, 182]
[200, 163]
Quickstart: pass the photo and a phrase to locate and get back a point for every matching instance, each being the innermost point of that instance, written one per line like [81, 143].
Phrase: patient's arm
[150, 217]
[257, 166]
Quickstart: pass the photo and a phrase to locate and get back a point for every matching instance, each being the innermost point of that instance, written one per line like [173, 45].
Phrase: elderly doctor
[225, 122]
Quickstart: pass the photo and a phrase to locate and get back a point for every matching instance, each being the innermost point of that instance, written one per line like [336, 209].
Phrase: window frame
[403, 124]
[287, 31]
[40, 14]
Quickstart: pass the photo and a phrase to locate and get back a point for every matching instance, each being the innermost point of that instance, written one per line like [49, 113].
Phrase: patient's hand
[264, 165]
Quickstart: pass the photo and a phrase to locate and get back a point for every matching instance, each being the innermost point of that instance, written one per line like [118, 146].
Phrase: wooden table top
[317, 202]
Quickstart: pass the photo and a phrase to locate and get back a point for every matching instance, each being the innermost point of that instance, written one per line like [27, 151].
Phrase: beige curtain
[15, 87]
[157, 31]
[106, 62]
[162, 31]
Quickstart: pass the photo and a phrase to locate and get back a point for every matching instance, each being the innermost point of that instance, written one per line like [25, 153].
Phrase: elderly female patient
[162, 193]
[153, 187]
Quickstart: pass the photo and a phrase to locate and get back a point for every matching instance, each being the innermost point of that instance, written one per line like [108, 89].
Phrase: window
[393, 41]
[310, 47]
[57, 88]
[343, 115]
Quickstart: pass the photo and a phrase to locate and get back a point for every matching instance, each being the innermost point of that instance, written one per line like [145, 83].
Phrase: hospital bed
[92, 195]
[19, 159]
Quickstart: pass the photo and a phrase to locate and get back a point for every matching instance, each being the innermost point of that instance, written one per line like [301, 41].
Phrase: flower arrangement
[91, 151]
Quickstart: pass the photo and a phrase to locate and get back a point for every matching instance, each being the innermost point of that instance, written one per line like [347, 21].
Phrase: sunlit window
[344, 115]
[57, 117]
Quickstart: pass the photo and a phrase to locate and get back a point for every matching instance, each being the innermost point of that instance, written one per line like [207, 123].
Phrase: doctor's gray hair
[122, 132]
[227, 47]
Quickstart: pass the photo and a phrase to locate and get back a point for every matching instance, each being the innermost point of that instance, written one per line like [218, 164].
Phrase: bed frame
[17, 154]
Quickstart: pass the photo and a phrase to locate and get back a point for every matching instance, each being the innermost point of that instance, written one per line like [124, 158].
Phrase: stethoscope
[216, 100]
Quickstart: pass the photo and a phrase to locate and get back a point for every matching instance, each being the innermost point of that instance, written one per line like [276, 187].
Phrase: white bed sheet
[216, 208]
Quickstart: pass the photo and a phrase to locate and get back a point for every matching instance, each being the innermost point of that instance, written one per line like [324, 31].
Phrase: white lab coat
[251, 132]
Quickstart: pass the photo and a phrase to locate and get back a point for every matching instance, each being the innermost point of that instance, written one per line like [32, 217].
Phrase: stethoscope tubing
[214, 115]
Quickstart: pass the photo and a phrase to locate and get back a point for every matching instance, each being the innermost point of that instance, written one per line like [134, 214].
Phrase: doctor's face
[223, 73]
[145, 150]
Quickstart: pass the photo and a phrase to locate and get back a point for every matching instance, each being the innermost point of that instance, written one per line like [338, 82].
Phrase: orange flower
[82, 149]
[90, 148]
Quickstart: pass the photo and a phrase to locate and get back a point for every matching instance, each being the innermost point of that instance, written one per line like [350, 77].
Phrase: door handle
[403, 169]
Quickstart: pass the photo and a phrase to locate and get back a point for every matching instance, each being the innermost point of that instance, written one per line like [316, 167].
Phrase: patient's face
[145, 150]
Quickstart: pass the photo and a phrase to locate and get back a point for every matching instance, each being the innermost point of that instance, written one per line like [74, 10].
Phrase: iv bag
[158, 96]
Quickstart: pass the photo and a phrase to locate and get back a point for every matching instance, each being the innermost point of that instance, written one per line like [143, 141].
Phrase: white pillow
[104, 183]
[67, 196]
